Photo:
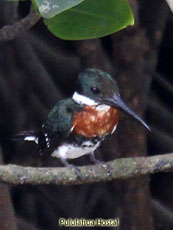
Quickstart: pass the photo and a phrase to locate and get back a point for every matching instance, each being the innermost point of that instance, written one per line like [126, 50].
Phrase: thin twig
[123, 168]
[9, 32]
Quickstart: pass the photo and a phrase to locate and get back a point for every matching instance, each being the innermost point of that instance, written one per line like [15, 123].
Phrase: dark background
[37, 69]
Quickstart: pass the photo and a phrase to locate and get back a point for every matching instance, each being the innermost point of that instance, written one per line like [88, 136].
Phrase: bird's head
[96, 87]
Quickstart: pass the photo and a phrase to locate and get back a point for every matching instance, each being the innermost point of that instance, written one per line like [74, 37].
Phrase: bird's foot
[71, 166]
[77, 171]
[95, 160]
[105, 165]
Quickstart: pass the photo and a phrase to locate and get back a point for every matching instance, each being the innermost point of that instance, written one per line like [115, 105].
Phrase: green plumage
[56, 138]
[60, 118]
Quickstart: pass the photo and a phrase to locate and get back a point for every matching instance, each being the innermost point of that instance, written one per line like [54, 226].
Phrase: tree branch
[9, 32]
[123, 168]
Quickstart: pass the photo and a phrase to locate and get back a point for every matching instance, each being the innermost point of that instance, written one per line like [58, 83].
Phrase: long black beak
[117, 102]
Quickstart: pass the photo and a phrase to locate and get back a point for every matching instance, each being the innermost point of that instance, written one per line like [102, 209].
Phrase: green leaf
[50, 8]
[91, 19]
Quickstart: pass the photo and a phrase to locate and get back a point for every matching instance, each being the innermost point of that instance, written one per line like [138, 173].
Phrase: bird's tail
[43, 148]
[27, 136]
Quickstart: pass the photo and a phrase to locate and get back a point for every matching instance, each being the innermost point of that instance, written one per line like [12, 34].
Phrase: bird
[78, 125]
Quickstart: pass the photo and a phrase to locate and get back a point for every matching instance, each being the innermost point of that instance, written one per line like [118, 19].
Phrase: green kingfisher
[78, 125]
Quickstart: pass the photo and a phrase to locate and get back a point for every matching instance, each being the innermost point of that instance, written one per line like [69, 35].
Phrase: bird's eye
[95, 90]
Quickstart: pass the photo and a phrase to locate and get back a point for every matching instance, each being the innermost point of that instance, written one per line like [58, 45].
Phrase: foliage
[89, 19]
[50, 8]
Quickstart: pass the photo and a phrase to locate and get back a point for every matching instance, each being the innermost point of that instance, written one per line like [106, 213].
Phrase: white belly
[70, 151]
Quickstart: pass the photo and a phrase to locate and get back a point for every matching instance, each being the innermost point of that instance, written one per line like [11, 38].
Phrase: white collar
[80, 99]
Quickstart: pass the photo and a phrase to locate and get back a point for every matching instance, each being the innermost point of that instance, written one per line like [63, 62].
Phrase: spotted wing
[57, 127]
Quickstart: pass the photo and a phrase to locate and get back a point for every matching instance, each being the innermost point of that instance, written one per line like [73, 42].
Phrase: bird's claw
[77, 171]
[108, 168]
[71, 166]
[105, 165]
